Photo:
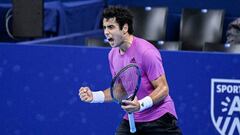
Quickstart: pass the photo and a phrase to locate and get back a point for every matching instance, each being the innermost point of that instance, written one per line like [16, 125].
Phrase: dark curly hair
[122, 15]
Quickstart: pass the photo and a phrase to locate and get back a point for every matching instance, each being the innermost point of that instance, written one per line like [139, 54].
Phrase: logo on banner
[225, 106]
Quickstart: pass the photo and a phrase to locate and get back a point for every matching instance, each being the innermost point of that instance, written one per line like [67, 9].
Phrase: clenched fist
[85, 94]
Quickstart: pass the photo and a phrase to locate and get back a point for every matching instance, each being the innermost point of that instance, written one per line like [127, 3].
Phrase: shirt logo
[133, 60]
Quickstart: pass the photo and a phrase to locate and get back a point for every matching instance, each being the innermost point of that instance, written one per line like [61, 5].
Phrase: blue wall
[39, 90]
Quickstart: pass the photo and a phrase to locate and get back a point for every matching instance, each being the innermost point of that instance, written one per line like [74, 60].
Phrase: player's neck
[127, 42]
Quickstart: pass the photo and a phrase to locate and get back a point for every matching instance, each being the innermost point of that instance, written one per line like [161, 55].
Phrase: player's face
[112, 32]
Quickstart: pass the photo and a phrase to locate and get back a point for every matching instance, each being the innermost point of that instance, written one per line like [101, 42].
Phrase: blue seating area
[61, 18]
[67, 17]
[69, 39]
[176, 6]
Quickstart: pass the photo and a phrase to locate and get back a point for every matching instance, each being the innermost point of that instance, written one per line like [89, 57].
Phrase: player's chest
[119, 62]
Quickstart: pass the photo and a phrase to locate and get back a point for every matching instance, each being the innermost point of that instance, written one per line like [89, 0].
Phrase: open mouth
[110, 40]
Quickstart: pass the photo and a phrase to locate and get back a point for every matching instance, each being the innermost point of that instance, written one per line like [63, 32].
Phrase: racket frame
[130, 115]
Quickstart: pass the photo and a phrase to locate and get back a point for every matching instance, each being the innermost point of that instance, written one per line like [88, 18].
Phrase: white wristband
[98, 97]
[145, 103]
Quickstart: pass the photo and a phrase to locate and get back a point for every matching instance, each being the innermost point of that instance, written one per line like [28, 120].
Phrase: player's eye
[111, 27]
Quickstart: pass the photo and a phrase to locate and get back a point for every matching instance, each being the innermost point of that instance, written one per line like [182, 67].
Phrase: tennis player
[153, 108]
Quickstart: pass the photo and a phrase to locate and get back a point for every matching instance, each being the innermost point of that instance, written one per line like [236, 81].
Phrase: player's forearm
[160, 89]
[107, 94]
[159, 94]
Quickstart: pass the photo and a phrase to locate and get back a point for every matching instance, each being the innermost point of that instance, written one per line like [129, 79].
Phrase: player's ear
[125, 28]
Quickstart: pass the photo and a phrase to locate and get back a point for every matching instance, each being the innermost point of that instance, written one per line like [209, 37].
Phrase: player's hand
[131, 106]
[85, 94]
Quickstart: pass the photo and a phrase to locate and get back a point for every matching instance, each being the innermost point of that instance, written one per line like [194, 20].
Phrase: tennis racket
[124, 86]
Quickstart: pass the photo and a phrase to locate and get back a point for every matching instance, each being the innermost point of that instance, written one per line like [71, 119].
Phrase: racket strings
[125, 84]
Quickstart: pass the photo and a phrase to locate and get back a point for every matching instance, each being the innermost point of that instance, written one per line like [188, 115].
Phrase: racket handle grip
[131, 123]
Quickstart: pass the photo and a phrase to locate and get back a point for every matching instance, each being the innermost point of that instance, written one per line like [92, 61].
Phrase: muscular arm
[160, 89]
